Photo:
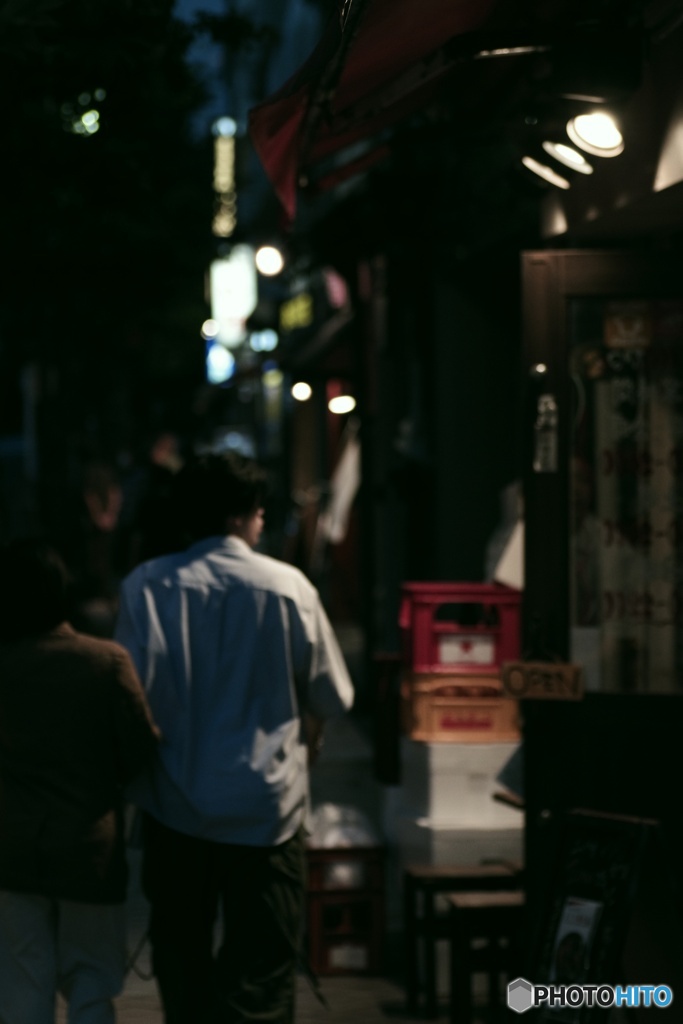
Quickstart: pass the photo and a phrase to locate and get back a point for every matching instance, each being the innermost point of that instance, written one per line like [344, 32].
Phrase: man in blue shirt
[236, 654]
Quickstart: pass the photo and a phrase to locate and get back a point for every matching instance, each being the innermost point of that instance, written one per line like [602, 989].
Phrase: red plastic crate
[459, 627]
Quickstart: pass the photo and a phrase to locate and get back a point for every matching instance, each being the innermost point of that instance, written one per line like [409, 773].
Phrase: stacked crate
[455, 638]
[345, 909]
[459, 729]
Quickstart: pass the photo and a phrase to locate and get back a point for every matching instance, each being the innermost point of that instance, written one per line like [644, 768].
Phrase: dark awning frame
[376, 62]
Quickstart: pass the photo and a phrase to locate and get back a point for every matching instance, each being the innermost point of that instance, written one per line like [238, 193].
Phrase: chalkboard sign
[606, 914]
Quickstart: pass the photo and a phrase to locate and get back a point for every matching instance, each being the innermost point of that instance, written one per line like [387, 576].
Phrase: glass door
[604, 467]
[626, 492]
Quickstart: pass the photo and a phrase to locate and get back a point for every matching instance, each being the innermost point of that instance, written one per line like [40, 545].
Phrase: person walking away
[74, 729]
[237, 656]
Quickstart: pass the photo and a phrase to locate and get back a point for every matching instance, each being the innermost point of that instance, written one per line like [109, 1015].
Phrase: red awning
[378, 61]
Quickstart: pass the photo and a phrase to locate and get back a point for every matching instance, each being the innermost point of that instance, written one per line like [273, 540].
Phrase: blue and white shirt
[232, 647]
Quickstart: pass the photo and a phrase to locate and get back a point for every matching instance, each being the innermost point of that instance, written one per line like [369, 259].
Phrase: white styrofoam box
[455, 782]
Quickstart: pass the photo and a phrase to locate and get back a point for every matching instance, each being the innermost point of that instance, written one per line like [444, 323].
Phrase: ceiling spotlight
[545, 172]
[210, 328]
[220, 364]
[511, 51]
[225, 127]
[272, 378]
[568, 156]
[263, 341]
[269, 260]
[596, 133]
[341, 404]
[301, 391]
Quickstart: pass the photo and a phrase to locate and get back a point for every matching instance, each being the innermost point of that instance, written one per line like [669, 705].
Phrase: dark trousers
[258, 892]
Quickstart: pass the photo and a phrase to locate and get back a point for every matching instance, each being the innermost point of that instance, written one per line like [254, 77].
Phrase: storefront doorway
[603, 482]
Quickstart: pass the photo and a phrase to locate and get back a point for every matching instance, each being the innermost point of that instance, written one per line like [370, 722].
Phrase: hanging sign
[234, 293]
[542, 680]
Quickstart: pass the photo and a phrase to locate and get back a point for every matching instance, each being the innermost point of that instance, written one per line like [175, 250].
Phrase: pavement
[343, 776]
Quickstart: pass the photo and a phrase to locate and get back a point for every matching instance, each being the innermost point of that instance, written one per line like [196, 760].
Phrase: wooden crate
[457, 709]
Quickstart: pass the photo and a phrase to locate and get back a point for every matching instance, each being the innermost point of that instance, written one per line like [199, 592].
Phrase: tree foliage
[107, 229]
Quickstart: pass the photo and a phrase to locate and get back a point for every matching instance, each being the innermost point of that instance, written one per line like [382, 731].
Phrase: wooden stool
[422, 884]
[494, 917]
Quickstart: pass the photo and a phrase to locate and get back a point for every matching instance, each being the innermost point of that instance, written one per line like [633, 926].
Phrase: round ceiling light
[269, 260]
[210, 328]
[342, 404]
[225, 126]
[568, 156]
[545, 172]
[301, 391]
[596, 133]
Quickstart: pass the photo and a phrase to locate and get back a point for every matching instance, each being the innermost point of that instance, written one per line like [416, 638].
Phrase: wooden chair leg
[429, 942]
[461, 976]
[411, 944]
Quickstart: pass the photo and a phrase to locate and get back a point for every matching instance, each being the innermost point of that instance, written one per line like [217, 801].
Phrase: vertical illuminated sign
[233, 294]
[225, 203]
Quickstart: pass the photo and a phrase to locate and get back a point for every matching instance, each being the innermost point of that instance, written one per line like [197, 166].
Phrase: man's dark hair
[33, 589]
[211, 488]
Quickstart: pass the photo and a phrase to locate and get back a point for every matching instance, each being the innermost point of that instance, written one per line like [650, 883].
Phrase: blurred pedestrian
[148, 523]
[238, 657]
[74, 728]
